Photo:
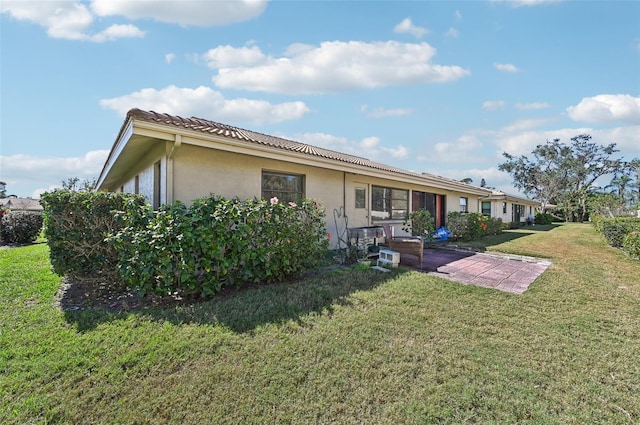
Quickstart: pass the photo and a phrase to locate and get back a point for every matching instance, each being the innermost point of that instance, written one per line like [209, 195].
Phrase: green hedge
[20, 226]
[631, 244]
[544, 218]
[614, 230]
[76, 225]
[218, 242]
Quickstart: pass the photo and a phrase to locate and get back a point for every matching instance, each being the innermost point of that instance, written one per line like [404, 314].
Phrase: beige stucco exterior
[166, 162]
[198, 171]
[503, 207]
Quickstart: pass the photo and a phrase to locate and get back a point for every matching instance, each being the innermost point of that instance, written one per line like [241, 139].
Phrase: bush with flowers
[217, 242]
[471, 226]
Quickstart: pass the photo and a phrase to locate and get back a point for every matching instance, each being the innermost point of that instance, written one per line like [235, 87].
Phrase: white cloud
[229, 56]
[115, 32]
[528, 3]
[73, 19]
[517, 142]
[607, 108]
[183, 12]
[492, 105]
[205, 102]
[407, 27]
[66, 19]
[169, 57]
[506, 67]
[462, 147]
[532, 106]
[369, 147]
[452, 32]
[382, 112]
[457, 16]
[332, 67]
[21, 171]
[526, 124]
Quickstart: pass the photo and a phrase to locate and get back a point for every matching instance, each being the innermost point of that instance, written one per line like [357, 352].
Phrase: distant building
[21, 204]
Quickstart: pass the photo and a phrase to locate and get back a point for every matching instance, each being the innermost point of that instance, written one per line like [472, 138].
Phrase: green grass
[344, 347]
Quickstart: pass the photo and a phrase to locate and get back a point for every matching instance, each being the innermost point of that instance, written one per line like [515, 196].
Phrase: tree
[74, 184]
[467, 180]
[564, 174]
[606, 204]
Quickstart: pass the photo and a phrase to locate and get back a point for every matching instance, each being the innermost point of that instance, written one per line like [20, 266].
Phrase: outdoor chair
[405, 245]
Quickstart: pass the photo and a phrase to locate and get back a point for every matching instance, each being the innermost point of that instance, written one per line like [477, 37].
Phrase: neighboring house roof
[21, 204]
[148, 124]
[498, 195]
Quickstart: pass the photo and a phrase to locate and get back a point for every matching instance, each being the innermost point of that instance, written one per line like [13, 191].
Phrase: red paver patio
[499, 271]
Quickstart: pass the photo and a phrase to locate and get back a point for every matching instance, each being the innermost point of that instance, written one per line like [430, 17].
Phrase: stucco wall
[193, 172]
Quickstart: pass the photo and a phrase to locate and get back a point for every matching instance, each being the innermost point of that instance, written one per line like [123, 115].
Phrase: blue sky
[441, 87]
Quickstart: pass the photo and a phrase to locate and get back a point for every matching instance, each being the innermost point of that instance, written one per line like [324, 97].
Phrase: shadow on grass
[244, 310]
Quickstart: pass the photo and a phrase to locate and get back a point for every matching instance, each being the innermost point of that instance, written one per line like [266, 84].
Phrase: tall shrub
[217, 242]
[76, 225]
[20, 226]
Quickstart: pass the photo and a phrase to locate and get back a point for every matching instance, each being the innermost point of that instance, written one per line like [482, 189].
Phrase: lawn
[343, 347]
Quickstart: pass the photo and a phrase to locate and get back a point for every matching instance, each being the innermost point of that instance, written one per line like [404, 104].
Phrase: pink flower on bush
[293, 204]
[274, 200]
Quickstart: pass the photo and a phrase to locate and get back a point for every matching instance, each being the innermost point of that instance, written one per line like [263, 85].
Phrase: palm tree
[621, 184]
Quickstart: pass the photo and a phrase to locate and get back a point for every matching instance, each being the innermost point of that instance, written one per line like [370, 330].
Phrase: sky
[443, 87]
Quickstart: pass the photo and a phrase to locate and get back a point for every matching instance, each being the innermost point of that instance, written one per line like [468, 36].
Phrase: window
[389, 203]
[486, 208]
[464, 207]
[156, 185]
[504, 208]
[361, 197]
[285, 187]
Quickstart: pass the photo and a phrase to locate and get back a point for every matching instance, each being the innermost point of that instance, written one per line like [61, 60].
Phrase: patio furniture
[388, 258]
[405, 245]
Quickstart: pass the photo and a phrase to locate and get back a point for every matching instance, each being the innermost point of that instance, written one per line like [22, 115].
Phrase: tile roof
[21, 204]
[215, 128]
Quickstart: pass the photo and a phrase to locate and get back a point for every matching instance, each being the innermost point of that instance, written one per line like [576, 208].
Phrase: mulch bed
[80, 293]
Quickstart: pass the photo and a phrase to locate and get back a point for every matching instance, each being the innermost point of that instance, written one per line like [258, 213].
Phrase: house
[509, 208]
[20, 204]
[168, 158]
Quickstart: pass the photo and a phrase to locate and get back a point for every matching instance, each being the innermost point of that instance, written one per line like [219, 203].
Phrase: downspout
[344, 191]
[169, 178]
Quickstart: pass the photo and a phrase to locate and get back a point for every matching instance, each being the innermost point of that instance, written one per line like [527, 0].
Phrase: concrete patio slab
[509, 273]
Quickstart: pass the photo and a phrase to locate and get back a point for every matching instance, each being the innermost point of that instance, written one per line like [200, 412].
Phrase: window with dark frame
[157, 173]
[464, 205]
[361, 198]
[284, 186]
[389, 203]
[486, 208]
[504, 208]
